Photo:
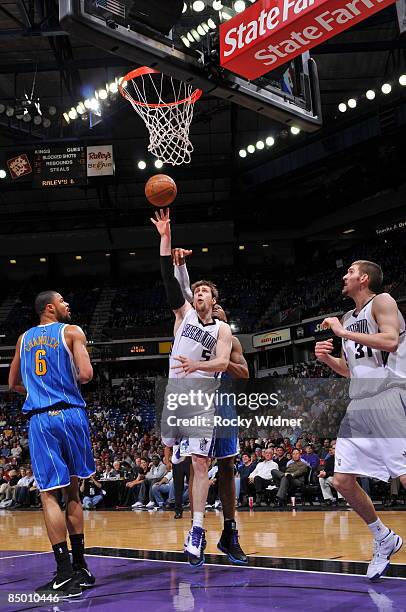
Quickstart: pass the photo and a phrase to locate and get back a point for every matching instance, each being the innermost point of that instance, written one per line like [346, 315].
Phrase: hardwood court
[311, 535]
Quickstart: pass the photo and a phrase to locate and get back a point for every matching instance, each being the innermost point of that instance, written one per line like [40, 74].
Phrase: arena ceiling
[319, 174]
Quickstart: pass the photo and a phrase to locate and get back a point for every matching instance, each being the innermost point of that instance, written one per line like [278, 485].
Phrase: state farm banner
[272, 32]
[272, 337]
[100, 160]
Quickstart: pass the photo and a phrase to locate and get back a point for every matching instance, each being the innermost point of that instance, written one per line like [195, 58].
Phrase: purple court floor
[129, 584]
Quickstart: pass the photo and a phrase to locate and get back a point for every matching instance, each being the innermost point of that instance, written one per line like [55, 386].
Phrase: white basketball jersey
[372, 370]
[197, 341]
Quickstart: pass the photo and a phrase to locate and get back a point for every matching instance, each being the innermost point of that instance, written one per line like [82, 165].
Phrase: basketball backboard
[289, 95]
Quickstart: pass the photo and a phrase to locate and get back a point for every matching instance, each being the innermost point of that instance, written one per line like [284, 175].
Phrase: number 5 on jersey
[40, 363]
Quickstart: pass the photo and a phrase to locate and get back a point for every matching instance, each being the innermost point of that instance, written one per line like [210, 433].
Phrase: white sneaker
[196, 544]
[383, 551]
[138, 505]
[150, 504]
[217, 504]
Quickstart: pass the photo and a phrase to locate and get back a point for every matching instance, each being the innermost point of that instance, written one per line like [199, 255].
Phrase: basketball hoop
[166, 106]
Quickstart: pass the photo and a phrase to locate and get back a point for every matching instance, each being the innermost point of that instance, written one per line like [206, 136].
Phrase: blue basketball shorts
[60, 447]
[226, 442]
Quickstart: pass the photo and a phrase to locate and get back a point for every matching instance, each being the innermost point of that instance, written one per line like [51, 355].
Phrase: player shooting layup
[372, 437]
[201, 348]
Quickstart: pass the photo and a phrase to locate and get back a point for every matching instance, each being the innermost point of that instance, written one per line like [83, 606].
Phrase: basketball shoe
[84, 576]
[230, 545]
[63, 587]
[383, 551]
[195, 545]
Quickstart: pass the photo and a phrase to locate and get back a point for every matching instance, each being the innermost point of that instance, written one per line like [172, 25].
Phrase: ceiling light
[294, 130]
[251, 149]
[190, 37]
[242, 153]
[260, 144]
[142, 165]
[198, 6]
[402, 80]
[211, 23]
[241, 247]
[132, 253]
[205, 27]
[185, 41]
[226, 16]
[349, 231]
[43, 259]
[3, 174]
[66, 117]
[78, 257]
[205, 250]
[342, 107]
[239, 6]
[195, 35]
[72, 113]
[265, 245]
[352, 103]
[386, 88]
[184, 8]
[217, 5]
[370, 94]
[80, 109]
[270, 141]
[107, 254]
[200, 30]
[113, 87]
[87, 104]
[13, 261]
[102, 94]
[94, 105]
[158, 163]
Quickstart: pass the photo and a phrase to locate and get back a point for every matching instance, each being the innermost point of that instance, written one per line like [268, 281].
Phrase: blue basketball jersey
[47, 368]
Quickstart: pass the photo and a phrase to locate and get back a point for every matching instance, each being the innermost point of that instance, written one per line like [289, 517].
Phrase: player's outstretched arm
[76, 341]
[174, 295]
[181, 272]
[238, 367]
[14, 377]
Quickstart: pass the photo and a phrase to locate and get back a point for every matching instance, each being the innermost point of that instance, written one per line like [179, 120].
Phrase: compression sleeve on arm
[182, 276]
[172, 287]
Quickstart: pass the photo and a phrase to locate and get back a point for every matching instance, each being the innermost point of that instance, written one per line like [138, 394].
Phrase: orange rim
[134, 74]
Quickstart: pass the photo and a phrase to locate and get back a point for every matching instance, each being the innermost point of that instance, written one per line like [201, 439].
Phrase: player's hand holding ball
[323, 350]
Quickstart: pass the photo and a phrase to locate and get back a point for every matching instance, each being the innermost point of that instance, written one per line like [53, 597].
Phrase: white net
[166, 106]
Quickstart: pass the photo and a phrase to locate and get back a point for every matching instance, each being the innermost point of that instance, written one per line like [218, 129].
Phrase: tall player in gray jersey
[372, 437]
[201, 348]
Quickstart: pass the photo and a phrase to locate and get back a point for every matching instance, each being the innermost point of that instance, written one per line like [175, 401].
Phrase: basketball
[160, 190]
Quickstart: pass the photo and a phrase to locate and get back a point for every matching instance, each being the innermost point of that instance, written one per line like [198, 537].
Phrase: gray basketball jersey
[197, 341]
[372, 370]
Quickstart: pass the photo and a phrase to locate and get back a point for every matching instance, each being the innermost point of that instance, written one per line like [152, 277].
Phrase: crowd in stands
[255, 298]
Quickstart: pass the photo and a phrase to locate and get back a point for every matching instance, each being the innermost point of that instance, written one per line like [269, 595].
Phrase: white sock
[379, 530]
[198, 519]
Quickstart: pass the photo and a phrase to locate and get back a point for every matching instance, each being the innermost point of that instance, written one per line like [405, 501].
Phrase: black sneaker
[84, 576]
[230, 545]
[62, 586]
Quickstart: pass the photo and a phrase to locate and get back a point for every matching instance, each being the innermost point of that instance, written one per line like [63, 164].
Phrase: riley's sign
[272, 32]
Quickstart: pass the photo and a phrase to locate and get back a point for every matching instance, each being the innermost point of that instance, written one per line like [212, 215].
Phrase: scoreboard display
[60, 166]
